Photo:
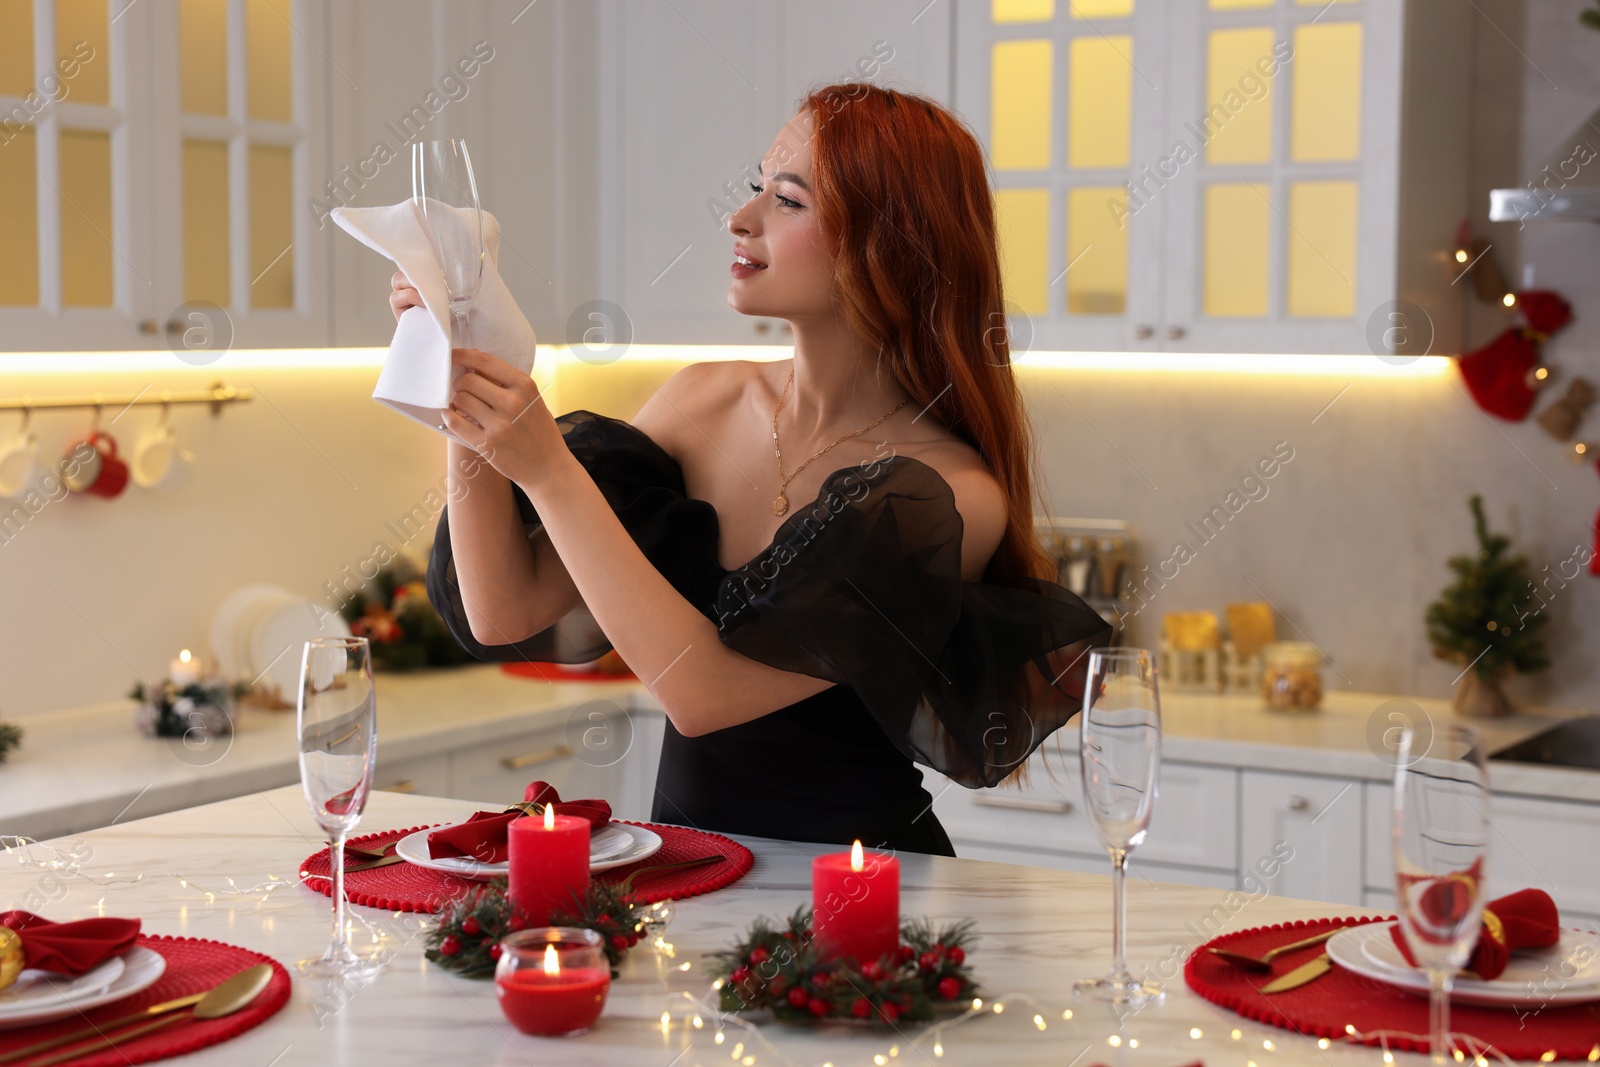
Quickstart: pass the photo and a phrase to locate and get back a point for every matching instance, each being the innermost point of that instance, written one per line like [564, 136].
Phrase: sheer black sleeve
[644, 486]
[864, 588]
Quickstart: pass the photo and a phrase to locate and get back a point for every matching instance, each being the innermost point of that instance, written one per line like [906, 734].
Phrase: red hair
[903, 193]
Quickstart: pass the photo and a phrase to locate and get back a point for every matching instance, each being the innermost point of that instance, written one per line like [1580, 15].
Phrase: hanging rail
[217, 396]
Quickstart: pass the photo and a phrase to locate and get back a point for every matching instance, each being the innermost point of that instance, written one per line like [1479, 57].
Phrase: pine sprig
[471, 926]
[779, 968]
[1491, 615]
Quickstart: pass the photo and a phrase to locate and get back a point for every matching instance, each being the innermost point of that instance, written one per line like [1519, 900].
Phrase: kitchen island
[1038, 931]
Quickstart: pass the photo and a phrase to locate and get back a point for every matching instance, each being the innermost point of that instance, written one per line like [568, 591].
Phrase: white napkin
[418, 374]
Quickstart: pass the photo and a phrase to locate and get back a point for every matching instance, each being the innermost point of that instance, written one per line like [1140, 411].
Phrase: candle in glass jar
[855, 904]
[548, 864]
[542, 995]
[184, 669]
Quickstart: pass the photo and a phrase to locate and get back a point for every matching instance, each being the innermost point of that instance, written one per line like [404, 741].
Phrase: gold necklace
[780, 504]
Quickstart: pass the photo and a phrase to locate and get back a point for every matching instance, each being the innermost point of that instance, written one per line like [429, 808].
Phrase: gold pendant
[780, 505]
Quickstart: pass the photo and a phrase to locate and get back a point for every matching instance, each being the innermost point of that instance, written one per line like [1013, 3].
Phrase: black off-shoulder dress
[861, 587]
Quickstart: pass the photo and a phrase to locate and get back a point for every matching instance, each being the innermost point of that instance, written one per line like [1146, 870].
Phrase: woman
[823, 568]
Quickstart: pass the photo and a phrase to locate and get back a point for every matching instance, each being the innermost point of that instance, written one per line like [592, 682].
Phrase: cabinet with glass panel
[1224, 175]
[152, 157]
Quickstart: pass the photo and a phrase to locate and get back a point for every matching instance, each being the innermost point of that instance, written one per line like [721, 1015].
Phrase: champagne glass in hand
[337, 728]
[1121, 751]
[1441, 839]
[445, 191]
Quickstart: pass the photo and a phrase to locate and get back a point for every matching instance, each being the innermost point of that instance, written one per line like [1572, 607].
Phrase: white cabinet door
[1301, 835]
[638, 788]
[1138, 870]
[498, 773]
[1545, 844]
[427, 775]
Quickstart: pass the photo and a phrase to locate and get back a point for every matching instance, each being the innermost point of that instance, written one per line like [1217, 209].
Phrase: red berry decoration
[818, 1007]
[633, 938]
[905, 953]
[759, 954]
[957, 955]
[938, 948]
[495, 950]
[861, 1008]
[618, 941]
[470, 927]
[889, 1010]
[950, 987]
[928, 961]
[516, 922]
[449, 946]
[799, 998]
[740, 975]
[871, 971]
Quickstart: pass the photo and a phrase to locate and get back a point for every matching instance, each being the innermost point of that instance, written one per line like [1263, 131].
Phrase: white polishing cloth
[418, 374]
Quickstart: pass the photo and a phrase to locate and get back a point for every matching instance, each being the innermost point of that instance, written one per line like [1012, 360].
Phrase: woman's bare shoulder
[692, 402]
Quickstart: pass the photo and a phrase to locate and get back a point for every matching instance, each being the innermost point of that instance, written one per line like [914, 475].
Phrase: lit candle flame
[857, 863]
[549, 817]
[552, 962]
[185, 656]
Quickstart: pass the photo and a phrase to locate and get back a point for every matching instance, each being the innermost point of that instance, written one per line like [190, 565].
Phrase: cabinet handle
[533, 759]
[763, 326]
[1175, 333]
[1299, 804]
[1144, 333]
[149, 326]
[1054, 807]
[407, 786]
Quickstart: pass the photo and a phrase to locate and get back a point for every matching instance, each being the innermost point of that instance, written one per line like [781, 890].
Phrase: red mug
[93, 466]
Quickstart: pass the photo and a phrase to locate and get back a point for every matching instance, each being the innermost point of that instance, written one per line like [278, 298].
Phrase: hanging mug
[158, 462]
[20, 468]
[93, 466]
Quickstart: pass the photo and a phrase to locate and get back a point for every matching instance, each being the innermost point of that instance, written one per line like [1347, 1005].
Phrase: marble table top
[1039, 930]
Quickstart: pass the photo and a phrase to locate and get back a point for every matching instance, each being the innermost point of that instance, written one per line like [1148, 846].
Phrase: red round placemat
[407, 887]
[1382, 1014]
[553, 672]
[194, 965]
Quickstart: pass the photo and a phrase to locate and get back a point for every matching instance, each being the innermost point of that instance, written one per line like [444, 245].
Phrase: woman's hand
[402, 294]
[499, 411]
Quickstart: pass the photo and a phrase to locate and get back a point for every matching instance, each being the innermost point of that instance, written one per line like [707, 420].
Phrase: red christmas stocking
[1496, 374]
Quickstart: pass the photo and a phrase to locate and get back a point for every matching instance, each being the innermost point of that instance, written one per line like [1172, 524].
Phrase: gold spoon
[1264, 961]
[225, 998]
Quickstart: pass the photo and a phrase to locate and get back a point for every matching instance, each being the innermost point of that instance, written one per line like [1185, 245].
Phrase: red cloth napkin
[1524, 919]
[70, 948]
[486, 836]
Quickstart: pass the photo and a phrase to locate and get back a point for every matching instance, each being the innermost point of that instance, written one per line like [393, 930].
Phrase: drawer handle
[1299, 804]
[533, 759]
[407, 786]
[1055, 807]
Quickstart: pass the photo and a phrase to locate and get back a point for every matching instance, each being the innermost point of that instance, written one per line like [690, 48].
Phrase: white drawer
[428, 775]
[1195, 822]
[498, 773]
[1138, 869]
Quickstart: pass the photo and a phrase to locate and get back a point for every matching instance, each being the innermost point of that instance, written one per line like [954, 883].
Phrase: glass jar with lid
[1291, 676]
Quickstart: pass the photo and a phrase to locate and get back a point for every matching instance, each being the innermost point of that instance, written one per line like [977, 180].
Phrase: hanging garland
[467, 939]
[780, 969]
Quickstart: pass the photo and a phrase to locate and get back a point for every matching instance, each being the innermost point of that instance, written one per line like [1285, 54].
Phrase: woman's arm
[701, 684]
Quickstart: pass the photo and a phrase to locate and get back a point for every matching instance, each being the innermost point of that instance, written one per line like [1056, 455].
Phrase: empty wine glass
[443, 186]
[337, 728]
[1441, 840]
[1121, 751]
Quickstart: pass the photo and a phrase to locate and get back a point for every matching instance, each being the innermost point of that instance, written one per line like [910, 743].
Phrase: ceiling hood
[1567, 185]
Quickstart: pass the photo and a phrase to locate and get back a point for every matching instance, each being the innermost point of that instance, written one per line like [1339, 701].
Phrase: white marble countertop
[1039, 930]
[87, 766]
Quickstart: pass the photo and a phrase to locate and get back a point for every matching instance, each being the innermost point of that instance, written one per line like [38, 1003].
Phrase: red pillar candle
[855, 904]
[549, 864]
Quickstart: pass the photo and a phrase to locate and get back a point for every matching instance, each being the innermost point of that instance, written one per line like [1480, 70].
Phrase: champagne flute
[1441, 841]
[337, 727]
[1121, 752]
[444, 189]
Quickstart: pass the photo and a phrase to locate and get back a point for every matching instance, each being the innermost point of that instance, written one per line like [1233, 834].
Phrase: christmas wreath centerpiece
[170, 710]
[779, 968]
[404, 630]
[471, 926]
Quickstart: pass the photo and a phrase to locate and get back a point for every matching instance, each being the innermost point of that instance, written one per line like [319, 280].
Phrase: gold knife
[1306, 972]
[367, 865]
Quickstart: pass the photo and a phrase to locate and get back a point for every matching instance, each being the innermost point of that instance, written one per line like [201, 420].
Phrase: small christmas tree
[1488, 620]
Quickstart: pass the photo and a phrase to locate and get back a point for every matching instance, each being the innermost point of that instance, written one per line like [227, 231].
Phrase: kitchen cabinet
[1224, 175]
[158, 158]
[690, 96]
[1312, 826]
[427, 775]
[1536, 841]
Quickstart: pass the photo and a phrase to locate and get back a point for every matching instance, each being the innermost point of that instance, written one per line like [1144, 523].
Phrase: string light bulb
[1509, 300]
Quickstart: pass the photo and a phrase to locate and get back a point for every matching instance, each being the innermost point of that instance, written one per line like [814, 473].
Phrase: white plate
[141, 967]
[280, 633]
[641, 843]
[1567, 972]
[225, 639]
[32, 983]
